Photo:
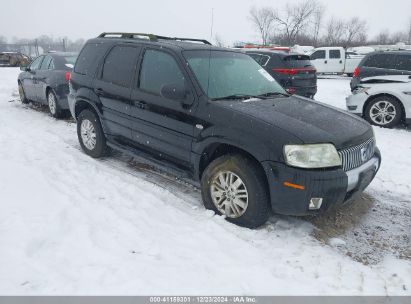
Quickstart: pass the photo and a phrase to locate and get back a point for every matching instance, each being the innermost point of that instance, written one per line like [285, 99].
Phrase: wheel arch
[217, 149]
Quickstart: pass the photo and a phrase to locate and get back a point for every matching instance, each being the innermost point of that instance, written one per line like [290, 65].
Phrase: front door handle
[325, 62]
[340, 61]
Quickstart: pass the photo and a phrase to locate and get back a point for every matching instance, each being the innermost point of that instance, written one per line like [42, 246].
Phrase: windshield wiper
[239, 96]
[270, 94]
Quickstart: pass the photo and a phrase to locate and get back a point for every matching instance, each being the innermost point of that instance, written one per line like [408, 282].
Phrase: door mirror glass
[173, 91]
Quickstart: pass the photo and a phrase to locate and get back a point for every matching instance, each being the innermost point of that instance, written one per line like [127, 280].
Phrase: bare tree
[295, 18]
[318, 16]
[263, 20]
[355, 30]
[335, 32]
[383, 37]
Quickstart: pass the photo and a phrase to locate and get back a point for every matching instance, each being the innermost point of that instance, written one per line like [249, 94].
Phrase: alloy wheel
[229, 194]
[88, 134]
[382, 112]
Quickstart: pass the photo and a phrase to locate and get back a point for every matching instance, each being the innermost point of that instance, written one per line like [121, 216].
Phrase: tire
[54, 107]
[22, 94]
[389, 110]
[88, 126]
[257, 209]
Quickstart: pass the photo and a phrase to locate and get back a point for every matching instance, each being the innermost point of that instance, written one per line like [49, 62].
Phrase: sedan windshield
[227, 74]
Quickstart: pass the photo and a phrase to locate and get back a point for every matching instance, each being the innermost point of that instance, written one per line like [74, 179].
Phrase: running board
[146, 158]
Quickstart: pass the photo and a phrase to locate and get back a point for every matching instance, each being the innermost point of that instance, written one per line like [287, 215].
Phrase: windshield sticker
[266, 75]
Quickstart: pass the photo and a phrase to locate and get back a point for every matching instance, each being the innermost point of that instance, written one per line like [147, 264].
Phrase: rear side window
[119, 65]
[157, 69]
[402, 62]
[297, 61]
[318, 55]
[85, 63]
[335, 54]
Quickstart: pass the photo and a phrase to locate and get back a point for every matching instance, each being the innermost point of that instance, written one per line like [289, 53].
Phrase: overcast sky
[190, 18]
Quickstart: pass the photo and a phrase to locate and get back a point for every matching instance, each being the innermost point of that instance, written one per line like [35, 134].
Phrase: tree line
[305, 23]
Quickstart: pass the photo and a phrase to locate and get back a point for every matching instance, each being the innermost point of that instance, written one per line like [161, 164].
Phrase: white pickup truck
[334, 60]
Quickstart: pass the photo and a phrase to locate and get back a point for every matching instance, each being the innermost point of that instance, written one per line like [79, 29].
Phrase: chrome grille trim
[351, 157]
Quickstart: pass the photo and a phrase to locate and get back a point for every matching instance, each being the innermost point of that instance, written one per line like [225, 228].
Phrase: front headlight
[312, 156]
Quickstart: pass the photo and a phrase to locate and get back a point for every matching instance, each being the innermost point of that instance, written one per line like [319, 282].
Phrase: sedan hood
[310, 121]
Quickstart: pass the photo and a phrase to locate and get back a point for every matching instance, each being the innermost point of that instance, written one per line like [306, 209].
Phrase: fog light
[315, 203]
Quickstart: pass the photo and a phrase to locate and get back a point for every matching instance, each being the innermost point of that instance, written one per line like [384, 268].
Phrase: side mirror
[174, 91]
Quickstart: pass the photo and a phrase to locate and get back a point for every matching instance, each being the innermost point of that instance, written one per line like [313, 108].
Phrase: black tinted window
[119, 65]
[45, 64]
[256, 57]
[402, 62]
[335, 54]
[159, 68]
[297, 61]
[88, 56]
[318, 55]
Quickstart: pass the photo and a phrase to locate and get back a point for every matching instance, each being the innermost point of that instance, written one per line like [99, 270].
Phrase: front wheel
[90, 134]
[22, 94]
[235, 186]
[384, 111]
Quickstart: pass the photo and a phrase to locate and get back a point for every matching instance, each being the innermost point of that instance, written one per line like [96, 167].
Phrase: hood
[310, 121]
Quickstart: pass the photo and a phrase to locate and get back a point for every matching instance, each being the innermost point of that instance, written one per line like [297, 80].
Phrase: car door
[319, 60]
[335, 62]
[41, 77]
[29, 84]
[113, 88]
[161, 125]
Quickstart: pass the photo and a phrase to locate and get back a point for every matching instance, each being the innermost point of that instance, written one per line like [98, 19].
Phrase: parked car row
[216, 116]
[46, 81]
[13, 59]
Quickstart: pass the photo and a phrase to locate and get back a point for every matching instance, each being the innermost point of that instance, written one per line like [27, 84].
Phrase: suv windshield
[225, 73]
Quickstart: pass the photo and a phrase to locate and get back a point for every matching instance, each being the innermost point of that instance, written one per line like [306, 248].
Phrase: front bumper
[355, 103]
[335, 186]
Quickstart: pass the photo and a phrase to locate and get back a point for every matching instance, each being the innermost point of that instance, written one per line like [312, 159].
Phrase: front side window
[158, 69]
[46, 63]
[335, 54]
[318, 55]
[225, 73]
[35, 65]
[119, 65]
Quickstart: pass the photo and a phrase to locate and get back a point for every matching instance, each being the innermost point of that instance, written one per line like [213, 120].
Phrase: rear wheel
[90, 134]
[384, 111]
[235, 186]
[22, 94]
[53, 104]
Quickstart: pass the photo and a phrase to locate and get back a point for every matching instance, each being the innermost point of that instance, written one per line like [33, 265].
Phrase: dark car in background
[13, 59]
[380, 64]
[46, 81]
[293, 71]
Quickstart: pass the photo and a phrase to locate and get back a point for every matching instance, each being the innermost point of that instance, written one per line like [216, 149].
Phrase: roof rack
[150, 37]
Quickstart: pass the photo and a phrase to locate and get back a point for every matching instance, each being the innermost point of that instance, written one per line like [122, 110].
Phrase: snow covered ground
[70, 224]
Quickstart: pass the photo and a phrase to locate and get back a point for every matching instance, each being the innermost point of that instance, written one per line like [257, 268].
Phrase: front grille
[354, 157]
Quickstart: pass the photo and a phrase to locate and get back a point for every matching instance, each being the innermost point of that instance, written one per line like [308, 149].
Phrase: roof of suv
[271, 52]
[176, 43]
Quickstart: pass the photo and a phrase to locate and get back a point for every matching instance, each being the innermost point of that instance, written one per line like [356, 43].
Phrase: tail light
[68, 75]
[356, 72]
[291, 90]
[294, 71]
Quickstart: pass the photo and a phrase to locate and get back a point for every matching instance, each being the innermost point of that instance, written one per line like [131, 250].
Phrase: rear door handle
[139, 104]
[325, 61]
[99, 91]
[340, 61]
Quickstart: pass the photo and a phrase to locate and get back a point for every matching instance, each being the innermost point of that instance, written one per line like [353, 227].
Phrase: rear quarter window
[89, 56]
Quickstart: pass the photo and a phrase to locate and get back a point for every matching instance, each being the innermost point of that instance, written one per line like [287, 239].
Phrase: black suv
[293, 71]
[382, 63]
[215, 115]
